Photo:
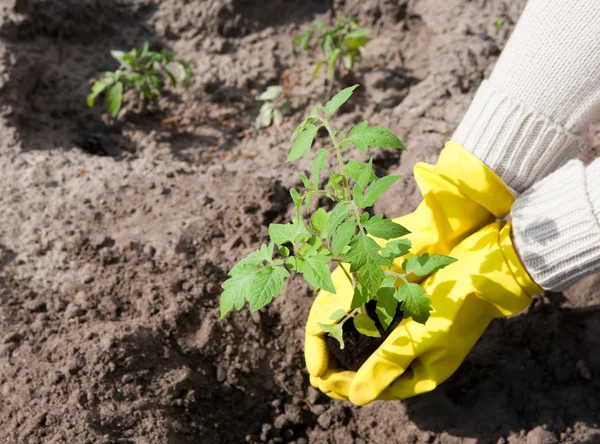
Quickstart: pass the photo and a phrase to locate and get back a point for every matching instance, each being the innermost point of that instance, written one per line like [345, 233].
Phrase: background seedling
[344, 236]
[274, 108]
[140, 69]
[340, 45]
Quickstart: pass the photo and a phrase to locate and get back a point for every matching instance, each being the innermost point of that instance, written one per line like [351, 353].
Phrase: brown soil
[115, 237]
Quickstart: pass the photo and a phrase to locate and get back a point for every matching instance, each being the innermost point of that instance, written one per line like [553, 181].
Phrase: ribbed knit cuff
[519, 144]
[556, 226]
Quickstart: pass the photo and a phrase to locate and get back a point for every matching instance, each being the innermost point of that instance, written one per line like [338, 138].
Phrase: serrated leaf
[335, 331]
[365, 325]
[384, 228]
[386, 306]
[396, 248]
[415, 303]
[364, 178]
[295, 195]
[354, 169]
[264, 253]
[318, 166]
[236, 288]
[338, 314]
[425, 264]
[271, 93]
[336, 217]
[303, 143]
[344, 234]
[318, 220]
[365, 260]
[338, 100]
[266, 286]
[311, 117]
[363, 137]
[284, 233]
[316, 272]
[375, 190]
[114, 97]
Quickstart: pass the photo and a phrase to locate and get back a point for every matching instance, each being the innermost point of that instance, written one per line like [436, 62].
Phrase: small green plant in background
[140, 69]
[340, 45]
[275, 106]
[499, 22]
[344, 236]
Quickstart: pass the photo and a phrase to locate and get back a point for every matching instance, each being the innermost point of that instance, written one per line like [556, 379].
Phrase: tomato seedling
[345, 236]
[138, 70]
[340, 45]
[275, 106]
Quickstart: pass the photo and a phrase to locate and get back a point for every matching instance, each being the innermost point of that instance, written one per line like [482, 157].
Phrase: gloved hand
[460, 195]
[487, 281]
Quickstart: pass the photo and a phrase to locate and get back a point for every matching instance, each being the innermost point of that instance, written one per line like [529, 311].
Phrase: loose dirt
[116, 236]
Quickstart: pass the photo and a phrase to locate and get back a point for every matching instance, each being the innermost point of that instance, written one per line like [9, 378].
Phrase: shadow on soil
[536, 369]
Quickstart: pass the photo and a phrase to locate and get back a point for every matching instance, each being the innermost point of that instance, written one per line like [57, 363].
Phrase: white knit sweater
[526, 121]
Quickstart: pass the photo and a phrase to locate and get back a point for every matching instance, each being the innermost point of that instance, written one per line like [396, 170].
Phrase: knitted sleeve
[526, 120]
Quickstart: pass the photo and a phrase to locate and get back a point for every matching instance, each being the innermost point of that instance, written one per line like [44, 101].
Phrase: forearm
[556, 226]
[526, 120]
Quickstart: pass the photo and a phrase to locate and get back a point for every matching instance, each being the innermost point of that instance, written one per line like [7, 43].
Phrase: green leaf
[425, 264]
[278, 116]
[303, 143]
[265, 115]
[355, 169]
[385, 228]
[264, 253]
[305, 181]
[331, 61]
[186, 76]
[363, 179]
[295, 195]
[360, 296]
[338, 314]
[114, 98]
[365, 325]
[318, 220]
[97, 88]
[415, 303]
[343, 236]
[318, 166]
[316, 272]
[338, 100]
[375, 190]
[386, 306]
[271, 93]
[284, 251]
[336, 217]
[335, 331]
[318, 67]
[363, 137]
[365, 260]
[117, 55]
[170, 76]
[396, 248]
[311, 117]
[284, 233]
[236, 288]
[266, 286]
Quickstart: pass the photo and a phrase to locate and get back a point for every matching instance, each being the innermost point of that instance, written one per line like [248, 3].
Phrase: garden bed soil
[116, 236]
[358, 347]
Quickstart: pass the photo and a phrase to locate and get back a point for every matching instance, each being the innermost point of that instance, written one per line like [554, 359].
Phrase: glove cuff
[474, 179]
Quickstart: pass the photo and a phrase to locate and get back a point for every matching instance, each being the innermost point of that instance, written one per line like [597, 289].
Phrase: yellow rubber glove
[487, 281]
[460, 195]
